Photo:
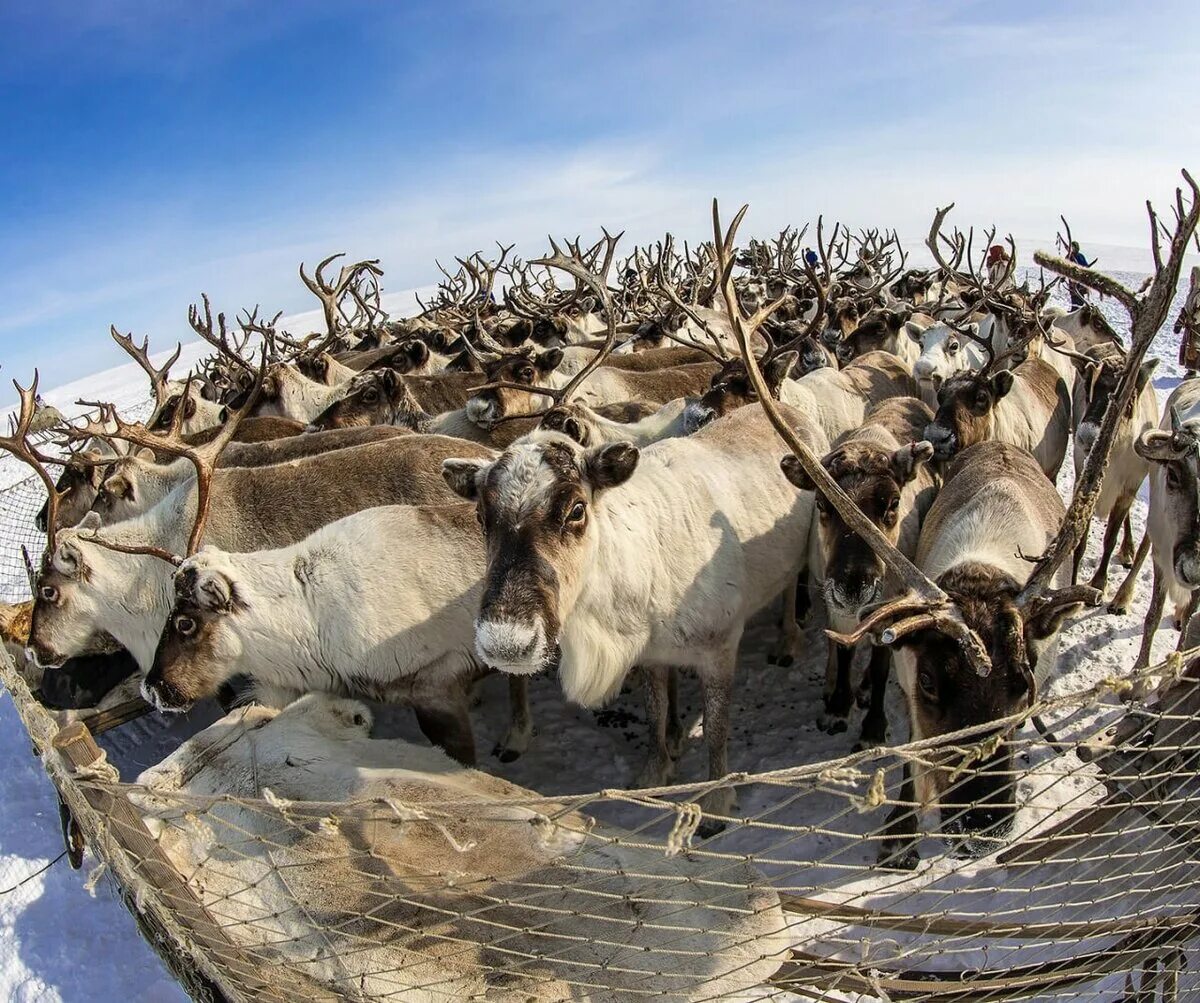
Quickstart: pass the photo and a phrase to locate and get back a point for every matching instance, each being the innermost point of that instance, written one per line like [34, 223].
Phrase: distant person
[997, 262]
[811, 257]
[1077, 292]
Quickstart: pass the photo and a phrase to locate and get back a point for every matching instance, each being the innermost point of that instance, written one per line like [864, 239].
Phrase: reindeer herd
[598, 466]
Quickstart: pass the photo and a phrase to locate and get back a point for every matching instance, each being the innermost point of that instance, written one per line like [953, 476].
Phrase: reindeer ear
[611, 465]
[907, 460]
[90, 521]
[390, 380]
[560, 420]
[213, 590]
[189, 408]
[914, 330]
[1145, 372]
[1002, 383]
[67, 558]
[792, 470]
[463, 476]
[1047, 622]
[120, 486]
[320, 367]
[778, 368]
[548, 360]
[417, 353]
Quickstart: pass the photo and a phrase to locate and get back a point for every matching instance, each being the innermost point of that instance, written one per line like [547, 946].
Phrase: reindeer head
[372, 398]
[731, 388]
[944, 352]
[966, 411]
[537, 504]
[1174, 456]
[73, 586]
[198, 648]
[841, 318]
[526, 368]
[77, 486]
[946, 694]
[1097, 384]
[122, 494]
[879, 330]
[874, 477]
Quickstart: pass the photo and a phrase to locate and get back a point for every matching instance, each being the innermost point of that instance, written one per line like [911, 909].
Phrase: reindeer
[279, 616]
[677, 544]
[137, 482]
[1098, 379]
[882, 467]
[1173, 522]
[1027, 407]
[837, 399]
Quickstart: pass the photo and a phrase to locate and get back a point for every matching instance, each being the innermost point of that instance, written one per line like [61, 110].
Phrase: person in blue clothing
[811, 257]
[1077, 292]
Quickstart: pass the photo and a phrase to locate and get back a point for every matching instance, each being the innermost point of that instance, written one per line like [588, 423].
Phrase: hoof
[896, 855]
[505, 755]
[831, 725]
[866, 741]
[1117, 608]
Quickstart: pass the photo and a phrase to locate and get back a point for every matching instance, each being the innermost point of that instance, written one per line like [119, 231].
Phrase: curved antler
[924, 595]
[17, 443]
[158, 377]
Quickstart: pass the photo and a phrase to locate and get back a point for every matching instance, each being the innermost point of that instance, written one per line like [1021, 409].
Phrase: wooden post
[228, 963]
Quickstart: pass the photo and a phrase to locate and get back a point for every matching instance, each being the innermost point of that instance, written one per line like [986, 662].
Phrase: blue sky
[153, 150]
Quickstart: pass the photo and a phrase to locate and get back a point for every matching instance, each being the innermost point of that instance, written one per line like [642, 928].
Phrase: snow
[58, 943]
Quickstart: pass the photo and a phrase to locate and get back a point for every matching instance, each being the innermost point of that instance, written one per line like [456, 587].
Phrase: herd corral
[657, 526]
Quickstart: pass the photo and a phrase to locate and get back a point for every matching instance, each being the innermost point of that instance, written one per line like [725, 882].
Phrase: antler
[925, 596]
[203, 457]
[218, 339]
[581, 266]
[330, 293]
[17, 443]
[158, 377]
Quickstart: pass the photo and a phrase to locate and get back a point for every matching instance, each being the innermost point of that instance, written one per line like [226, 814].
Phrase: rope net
[415, 878]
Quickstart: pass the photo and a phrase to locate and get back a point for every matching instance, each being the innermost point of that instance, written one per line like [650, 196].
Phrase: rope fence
[418, 879]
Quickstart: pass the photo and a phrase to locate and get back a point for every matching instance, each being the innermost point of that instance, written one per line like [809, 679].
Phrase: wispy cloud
[154, 151]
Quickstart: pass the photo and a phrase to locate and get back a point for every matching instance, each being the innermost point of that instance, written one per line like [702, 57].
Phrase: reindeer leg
[898, 850]
[1120, 602]
[1116, 519]
[1153, 616]
[787, 643]
[444, 719]
[675, 734]
[717, 683]
[1188, 613]
[1125, 556]
[874, 726]
[839, 695]
[659, 768]
[520, 726]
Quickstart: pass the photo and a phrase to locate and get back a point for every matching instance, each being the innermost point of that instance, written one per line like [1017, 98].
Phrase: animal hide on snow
[441, 882]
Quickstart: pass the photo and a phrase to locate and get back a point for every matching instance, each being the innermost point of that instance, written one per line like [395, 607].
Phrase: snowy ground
[102, 957]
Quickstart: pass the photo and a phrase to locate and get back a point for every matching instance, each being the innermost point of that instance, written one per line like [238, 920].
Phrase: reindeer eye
[49, 593]
[951, 346]
[185, 626]
[370, 395]
[928, 684]
[578, 510]
[525, 375]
